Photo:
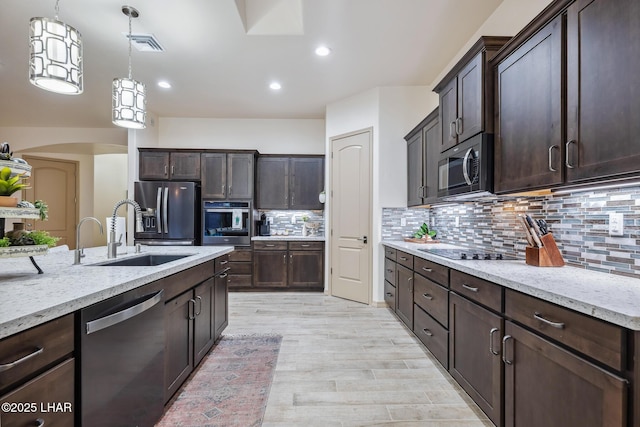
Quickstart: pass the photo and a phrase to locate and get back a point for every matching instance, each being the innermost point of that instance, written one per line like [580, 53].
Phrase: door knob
[363, 239]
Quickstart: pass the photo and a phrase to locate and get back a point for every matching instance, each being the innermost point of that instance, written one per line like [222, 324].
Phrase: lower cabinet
[294, 265]
[221, 303]
[240, 274]
[546, 385]
[404, 291]
[203, 319]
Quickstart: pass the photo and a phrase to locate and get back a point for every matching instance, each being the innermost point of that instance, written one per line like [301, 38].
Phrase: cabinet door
[184, 166]
[270, 269]
[272, 182]
[240, 176]
[432, 136]
[221, 304]
[153, 165]
[178, 356]
[306, 182]
[203, 323]
[529, 146]
[306, 269]
[448, 115]
[470, 119]
[548, 386]
[214, 175]
[474, 354]
[415, 169]
[404, 292]
[603, 94]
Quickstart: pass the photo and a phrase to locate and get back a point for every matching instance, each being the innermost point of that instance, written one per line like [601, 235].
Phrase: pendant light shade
[55, 60]
[129, 95]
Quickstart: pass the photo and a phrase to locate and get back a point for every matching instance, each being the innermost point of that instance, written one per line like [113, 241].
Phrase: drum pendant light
[55, 59]
[129, 96]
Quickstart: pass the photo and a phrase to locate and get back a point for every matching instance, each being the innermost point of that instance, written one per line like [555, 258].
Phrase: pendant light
[55, 59]
[129, 99]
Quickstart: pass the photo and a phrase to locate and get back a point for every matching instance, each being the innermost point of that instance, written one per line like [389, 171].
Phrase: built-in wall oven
[226, 223]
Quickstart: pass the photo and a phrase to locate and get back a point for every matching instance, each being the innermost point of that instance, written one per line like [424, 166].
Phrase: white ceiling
[218, 70]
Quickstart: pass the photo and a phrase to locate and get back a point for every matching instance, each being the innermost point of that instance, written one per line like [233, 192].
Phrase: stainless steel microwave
[466, 170]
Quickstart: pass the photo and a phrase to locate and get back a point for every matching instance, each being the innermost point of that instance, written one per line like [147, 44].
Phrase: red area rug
[230, 387]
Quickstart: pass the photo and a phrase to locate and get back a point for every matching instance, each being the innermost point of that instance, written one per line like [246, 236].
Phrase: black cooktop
[468, 254]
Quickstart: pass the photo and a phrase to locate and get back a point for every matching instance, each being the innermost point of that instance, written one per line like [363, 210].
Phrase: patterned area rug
[230, 387]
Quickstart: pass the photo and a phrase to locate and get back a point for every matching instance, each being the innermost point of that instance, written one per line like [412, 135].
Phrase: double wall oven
[226, 223]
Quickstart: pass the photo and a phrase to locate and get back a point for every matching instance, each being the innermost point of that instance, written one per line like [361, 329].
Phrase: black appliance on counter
[466, 170]
[263, 228]
[226, 223]
[170, 212]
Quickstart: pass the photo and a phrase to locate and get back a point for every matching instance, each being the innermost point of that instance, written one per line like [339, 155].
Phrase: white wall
[110, 170]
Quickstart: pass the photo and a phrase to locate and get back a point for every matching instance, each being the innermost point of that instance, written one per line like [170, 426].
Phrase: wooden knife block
[547, 256]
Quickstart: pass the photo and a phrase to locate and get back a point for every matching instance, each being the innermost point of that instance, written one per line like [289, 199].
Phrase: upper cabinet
[291, 182]
[169, 165]
[466, 94]
[227, 176]
[423, 153]
[577, 48]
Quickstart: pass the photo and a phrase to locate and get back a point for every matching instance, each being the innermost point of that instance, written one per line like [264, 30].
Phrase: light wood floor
[346, 364]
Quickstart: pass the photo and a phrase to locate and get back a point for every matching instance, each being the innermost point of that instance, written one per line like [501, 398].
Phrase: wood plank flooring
[347, 364]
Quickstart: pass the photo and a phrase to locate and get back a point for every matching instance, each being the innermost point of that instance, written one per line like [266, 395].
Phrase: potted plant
[9, 185]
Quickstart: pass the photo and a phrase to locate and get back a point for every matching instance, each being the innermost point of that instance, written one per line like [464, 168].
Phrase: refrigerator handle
[158, 206]
[166, 210]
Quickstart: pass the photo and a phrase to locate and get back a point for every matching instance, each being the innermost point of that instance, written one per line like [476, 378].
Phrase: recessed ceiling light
[164, 84]
[275, 86]
[322, 51]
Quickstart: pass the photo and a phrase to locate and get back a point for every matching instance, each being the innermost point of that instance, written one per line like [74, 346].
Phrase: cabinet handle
[39, 422]
[191, 309]
[224, 262]
[566, 154]
[284, 259]
[223, 275]
[427, 332]
[504, 350]
[229, 190]
[410, 282]
[305, 246]
[428, 270]
[404, 258]
[551, 168]
[452, 129]
[7, 366]
[269, 245]
[471, 288]
[427, 296]
[173, 170]
[459, 125]
[223, 192]
[290, 256]
[166, 169]
[491, 332]
[538, 316]
[199, 300]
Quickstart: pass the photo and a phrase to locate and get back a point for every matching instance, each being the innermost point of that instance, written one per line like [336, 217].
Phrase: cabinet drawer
[390, 271]
[241, 255]
[597, 339]
[432, 298]
[52, 393]
[436, 272]
[306, 246]
[390, 253]
[240, 267]
[405, 259]
[269, 245]
[239, 281]
[486, 293]
[222, 262]
[390, 295]
[432, 335]
[46, 343]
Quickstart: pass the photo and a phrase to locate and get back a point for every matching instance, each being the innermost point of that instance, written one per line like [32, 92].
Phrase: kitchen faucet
[78, 252]
[112, 246]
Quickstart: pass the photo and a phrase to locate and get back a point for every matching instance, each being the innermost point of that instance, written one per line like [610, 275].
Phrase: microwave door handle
[165, 210]
[465, 168]
[159, 209]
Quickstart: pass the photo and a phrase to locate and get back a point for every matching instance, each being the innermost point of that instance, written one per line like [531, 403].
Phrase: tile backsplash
[282, 220]
[579, 222]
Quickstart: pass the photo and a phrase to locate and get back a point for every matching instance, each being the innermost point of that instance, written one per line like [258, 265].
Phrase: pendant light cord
[57, 9]
[130, 46]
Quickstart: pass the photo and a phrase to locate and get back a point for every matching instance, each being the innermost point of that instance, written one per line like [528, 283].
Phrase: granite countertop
[29, 299]
[292, 238]
[609, 297]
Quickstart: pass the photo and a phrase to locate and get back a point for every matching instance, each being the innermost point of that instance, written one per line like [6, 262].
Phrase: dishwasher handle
[127, 313]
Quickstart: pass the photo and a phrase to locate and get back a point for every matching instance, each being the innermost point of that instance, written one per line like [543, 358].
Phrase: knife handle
[527, 232]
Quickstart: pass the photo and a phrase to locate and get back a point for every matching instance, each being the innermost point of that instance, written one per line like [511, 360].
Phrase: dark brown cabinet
[178, 349]
[423, 153]
[221, 304]
[203, 319]
[169, 165]
[295, 265]
[404, 292]
[240, 274]
[227, 176]
[466, 94]
[289, 182]
[270, 264]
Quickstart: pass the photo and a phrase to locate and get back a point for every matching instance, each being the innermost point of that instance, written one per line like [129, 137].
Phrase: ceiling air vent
[145, 42]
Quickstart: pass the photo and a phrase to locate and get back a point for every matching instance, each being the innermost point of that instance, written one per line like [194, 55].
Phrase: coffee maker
[263, 228]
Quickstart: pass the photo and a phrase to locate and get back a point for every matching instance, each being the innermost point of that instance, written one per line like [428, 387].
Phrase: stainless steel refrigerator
[170, 212]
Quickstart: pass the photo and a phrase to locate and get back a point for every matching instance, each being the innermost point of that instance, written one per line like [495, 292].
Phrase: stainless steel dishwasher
[121, 360]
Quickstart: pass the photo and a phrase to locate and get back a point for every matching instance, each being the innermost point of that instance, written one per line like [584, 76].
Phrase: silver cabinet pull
[123, 315]
[491, 332]
[402, 258]
[229, 190]
[284, 259]
[459, 125]
[551, 168]
[199, 301]
[166, 169]
[427, 332]
[7, 366]
[410, 282]
[173, 169]
[557, 325]
[428, 270]
[223, 275]
[39, 422]
[566, 154]
[452, 129]
[224, 262]
[504, 350]
[305, 245]
[471, 288]
[427, 296]
[269, 245]
[191, 310]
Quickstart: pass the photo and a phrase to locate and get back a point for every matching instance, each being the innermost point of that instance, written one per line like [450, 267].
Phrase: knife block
[547, 256]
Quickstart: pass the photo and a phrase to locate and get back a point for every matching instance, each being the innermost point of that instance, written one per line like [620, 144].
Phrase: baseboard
[379, 304]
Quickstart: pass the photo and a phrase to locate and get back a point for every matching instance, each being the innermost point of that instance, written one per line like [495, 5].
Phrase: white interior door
[351, 216]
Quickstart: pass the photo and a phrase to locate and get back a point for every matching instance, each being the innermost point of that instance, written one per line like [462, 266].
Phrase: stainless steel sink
[147, 260]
